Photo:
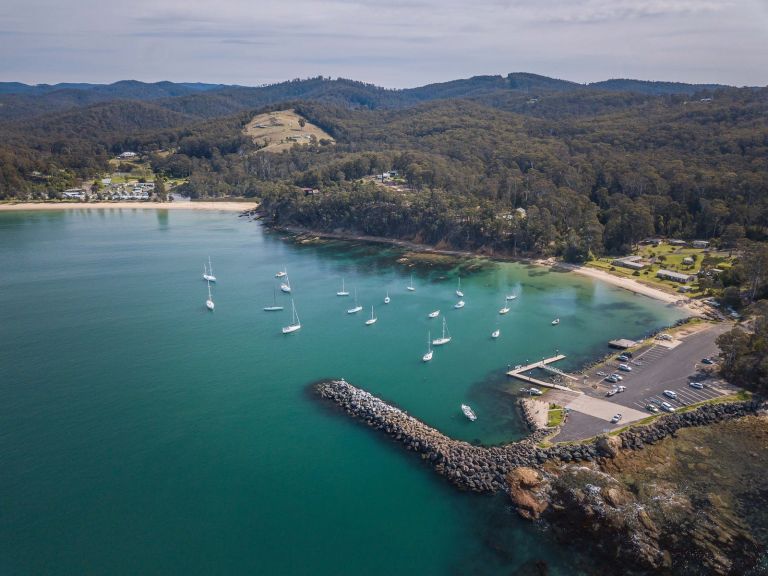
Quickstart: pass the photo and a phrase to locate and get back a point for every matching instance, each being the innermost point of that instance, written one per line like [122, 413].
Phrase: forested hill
[520, 163]
[210, 100]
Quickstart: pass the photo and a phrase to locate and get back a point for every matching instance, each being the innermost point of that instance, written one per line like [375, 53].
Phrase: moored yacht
[468, 412]
[445, 338]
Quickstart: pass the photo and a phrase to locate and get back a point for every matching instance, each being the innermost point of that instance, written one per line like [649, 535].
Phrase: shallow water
[140, 433]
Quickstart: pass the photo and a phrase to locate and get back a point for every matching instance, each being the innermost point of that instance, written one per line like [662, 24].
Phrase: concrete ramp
[604, 410]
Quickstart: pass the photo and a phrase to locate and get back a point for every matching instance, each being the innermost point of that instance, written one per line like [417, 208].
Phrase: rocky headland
[648, 500]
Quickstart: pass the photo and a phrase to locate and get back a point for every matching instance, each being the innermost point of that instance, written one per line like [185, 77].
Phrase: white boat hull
[272, 308]
[209, 277]
[511, 297]
[440, 341]
[354, 310]
[411, 289]
[291, 328]
[459, 304]
[370, 321]
[427, 357]
[468, 412]
[503, 310]
[210, 305]
[434, 314]
[285, 288]
[495, 333]
[281, 274]
[459, 293]
[342, 293]
[386, 300]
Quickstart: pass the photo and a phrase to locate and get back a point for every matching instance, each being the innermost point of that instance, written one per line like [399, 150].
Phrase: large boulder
[528, 491]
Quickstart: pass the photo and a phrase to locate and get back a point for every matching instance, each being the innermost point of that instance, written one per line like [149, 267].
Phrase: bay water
[142, 434]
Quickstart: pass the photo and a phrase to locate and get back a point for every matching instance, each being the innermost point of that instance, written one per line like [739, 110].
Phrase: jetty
[519, 372]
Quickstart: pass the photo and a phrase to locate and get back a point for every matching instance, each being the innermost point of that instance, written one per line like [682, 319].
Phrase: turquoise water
[142, 434]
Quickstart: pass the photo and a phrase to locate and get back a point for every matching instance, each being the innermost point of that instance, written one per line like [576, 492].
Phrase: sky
[395, 43]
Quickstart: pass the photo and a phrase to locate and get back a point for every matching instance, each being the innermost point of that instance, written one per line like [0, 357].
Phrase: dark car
[707, 361]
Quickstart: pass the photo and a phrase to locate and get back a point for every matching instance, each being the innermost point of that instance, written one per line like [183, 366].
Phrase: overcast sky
[397, 43]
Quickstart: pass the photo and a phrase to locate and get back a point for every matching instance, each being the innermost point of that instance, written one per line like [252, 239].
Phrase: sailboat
[357, 307]
[434, 314]
[295, 322]
[208, 272]
[283, 272]
[510, 296]
[410, 286]
[372, 319]
[468, 412]
[504, 309]
[496, 333]
[209, 303]
[556, 321]
[386, 298]
[459, 304]
[444, 339]
[286, 286]
[343, 291]
[428, 356]
[459, 293]
[275, 307]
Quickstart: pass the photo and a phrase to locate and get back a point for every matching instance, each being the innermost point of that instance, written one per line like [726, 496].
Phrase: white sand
[221, 206]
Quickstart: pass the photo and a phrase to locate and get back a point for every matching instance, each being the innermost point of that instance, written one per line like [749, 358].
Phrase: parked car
[601, 373]
[667, 406]
[670, 394]
[623, 358]
[652, 408]
[535, 391]
[664, 337]
[697, 385]
[707, 361]
[617, 376]
[625, 367]
[612, 392]
[612, 379]
[621, 388]
[616, 418]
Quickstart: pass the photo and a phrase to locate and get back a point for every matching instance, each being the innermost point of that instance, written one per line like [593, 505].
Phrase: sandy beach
[221, 206]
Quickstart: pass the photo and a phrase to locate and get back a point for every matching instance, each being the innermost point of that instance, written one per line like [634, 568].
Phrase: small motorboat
[468, 412]
[434, 314]
[496, 333]
[511, 296]
[459, 304]
[556, 321]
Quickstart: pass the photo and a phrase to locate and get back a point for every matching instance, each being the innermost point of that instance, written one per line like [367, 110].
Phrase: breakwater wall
[481, 469]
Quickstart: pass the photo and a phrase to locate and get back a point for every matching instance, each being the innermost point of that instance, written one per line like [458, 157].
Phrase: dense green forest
[517, 164]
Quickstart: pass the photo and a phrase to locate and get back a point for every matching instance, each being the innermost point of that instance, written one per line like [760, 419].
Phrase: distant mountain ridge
[200, 100]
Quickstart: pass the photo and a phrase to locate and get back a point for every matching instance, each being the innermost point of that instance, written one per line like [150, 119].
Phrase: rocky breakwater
[469, 467]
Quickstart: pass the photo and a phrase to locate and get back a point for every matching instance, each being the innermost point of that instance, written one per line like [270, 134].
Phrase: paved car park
[660, 366]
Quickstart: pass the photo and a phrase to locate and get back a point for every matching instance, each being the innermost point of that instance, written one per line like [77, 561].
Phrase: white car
[625, 367]
[535, 391]
[667, 406]
[616, 418]
[670, 394]
[621, 388]
[697, 385]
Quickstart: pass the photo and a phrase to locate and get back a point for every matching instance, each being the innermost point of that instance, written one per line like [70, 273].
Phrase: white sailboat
[286, 286]
[295, 322]
[209, 303]
[372, 319]
[357, 307]
[510, 296]
[496, 333]
[434, 314]
[428, 356]
[410, 286]
[444, 339]
[459, 304]
[208, 272]
[343, 291]
[556, 321]
[459, 293]
[468, 412]
[283, 272]
[275, 306]
[386, 298]
[504, 309]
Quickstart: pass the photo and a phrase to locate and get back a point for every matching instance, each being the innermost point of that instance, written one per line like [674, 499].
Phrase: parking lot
[655, 368]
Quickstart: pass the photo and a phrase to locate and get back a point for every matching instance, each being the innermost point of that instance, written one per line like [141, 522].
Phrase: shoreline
[221, 206]
[692, 306]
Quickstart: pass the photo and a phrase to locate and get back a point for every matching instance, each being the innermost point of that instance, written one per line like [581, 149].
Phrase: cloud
[397, 44]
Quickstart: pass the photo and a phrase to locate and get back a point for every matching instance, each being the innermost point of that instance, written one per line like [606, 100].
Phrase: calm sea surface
[142, 434]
